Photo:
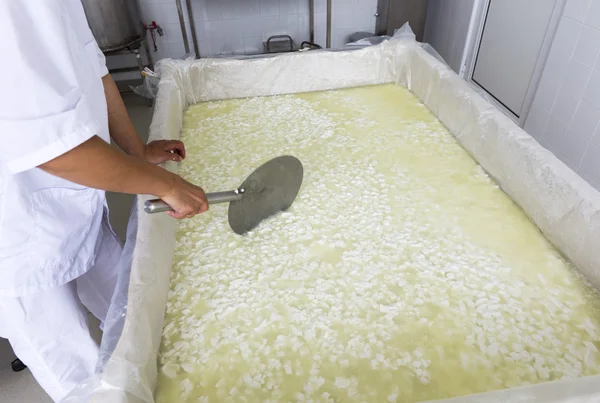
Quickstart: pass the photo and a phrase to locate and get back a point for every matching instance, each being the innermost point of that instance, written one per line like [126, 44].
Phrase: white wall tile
[153, 12]
[576, 77]
[173, 50]
[365, 22]
[554, 134]
[596, 138]
[229, 46]
[288, 7]
[303, 7]
[303, 28]
[231, 9]
[577, 9]
[290, 22]
[565, 105]
[320, 28]
[252, 26]
[536, 122]
[592, 92]
[364, 16]
[198, 14]
[168, 14]
[173, 32]
[163, 47]
[573, 149]
[212, 10]
[320, 6]
[593, 17]
[590, 165]
[251, 8]
[272, 25]
[588, 46]
[365, 7]
[572, 135]
[586, 119]
[340, 37]
[253, 45]
[269, 7]
[343, 19]
[566, 36]
[552, 79]
[204, 48]
[202, 31]
[342, 5]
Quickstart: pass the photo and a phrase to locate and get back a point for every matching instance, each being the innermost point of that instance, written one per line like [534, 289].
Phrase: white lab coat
[51, 100]
[58, 254]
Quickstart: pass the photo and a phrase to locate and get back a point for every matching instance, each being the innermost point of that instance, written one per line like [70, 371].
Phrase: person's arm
[96, 164]
[124, 134]
[45, 116]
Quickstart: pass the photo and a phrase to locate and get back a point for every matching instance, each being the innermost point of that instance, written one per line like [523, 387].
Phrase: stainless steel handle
[289, 38]
[156, 206]
[159, 206]
[225, 197]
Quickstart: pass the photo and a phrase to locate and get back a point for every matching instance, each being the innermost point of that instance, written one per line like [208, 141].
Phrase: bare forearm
[120, 126]
[96, 164]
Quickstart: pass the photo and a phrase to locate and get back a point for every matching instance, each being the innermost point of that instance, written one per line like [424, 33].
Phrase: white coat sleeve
[101, 60]
[43, 109]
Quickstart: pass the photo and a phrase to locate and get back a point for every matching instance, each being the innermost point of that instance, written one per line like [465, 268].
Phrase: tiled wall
[240, 26]
[565, 115]
[447, 27]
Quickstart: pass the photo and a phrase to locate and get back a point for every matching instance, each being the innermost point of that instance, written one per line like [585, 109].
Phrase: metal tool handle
[225, 197]
[159, 206]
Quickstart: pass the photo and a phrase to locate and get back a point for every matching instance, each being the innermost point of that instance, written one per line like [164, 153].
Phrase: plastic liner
[565, 208]
[149, 86]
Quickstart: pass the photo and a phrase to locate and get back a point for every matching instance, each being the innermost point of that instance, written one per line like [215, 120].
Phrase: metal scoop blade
[271, 188]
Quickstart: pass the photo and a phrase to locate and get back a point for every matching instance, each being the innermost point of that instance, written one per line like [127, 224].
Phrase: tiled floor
[17, 387]
[20, 387]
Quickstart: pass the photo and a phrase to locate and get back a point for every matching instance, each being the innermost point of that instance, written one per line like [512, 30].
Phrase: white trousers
[49, 332]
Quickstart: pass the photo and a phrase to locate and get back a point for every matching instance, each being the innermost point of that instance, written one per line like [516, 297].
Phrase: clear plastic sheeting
[563, 206]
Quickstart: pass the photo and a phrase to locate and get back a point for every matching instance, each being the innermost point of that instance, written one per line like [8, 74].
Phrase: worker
[59, 108]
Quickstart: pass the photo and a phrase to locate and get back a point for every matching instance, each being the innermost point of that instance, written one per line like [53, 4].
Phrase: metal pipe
[188, 4]
[159, 206]
[225, 197]
[311, 11]
[148, 54]
[186, 44]
[138, 58]
[328, 38]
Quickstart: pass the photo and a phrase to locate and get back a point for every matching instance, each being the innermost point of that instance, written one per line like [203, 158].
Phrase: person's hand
[185, 199]
[160, 151]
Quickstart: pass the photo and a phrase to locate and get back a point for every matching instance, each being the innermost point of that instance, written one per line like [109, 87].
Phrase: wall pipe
[188, 4]
[328, 38]
[311, 11]
[186, 44]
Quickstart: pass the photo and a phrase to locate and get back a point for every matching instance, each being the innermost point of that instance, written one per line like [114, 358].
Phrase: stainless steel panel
[115, 24]
[392, 14]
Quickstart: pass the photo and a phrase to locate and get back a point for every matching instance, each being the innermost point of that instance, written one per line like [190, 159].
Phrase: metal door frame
[474, 37]
[381, 22]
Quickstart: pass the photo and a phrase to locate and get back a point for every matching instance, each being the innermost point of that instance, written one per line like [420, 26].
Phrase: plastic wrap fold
[563, 206]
